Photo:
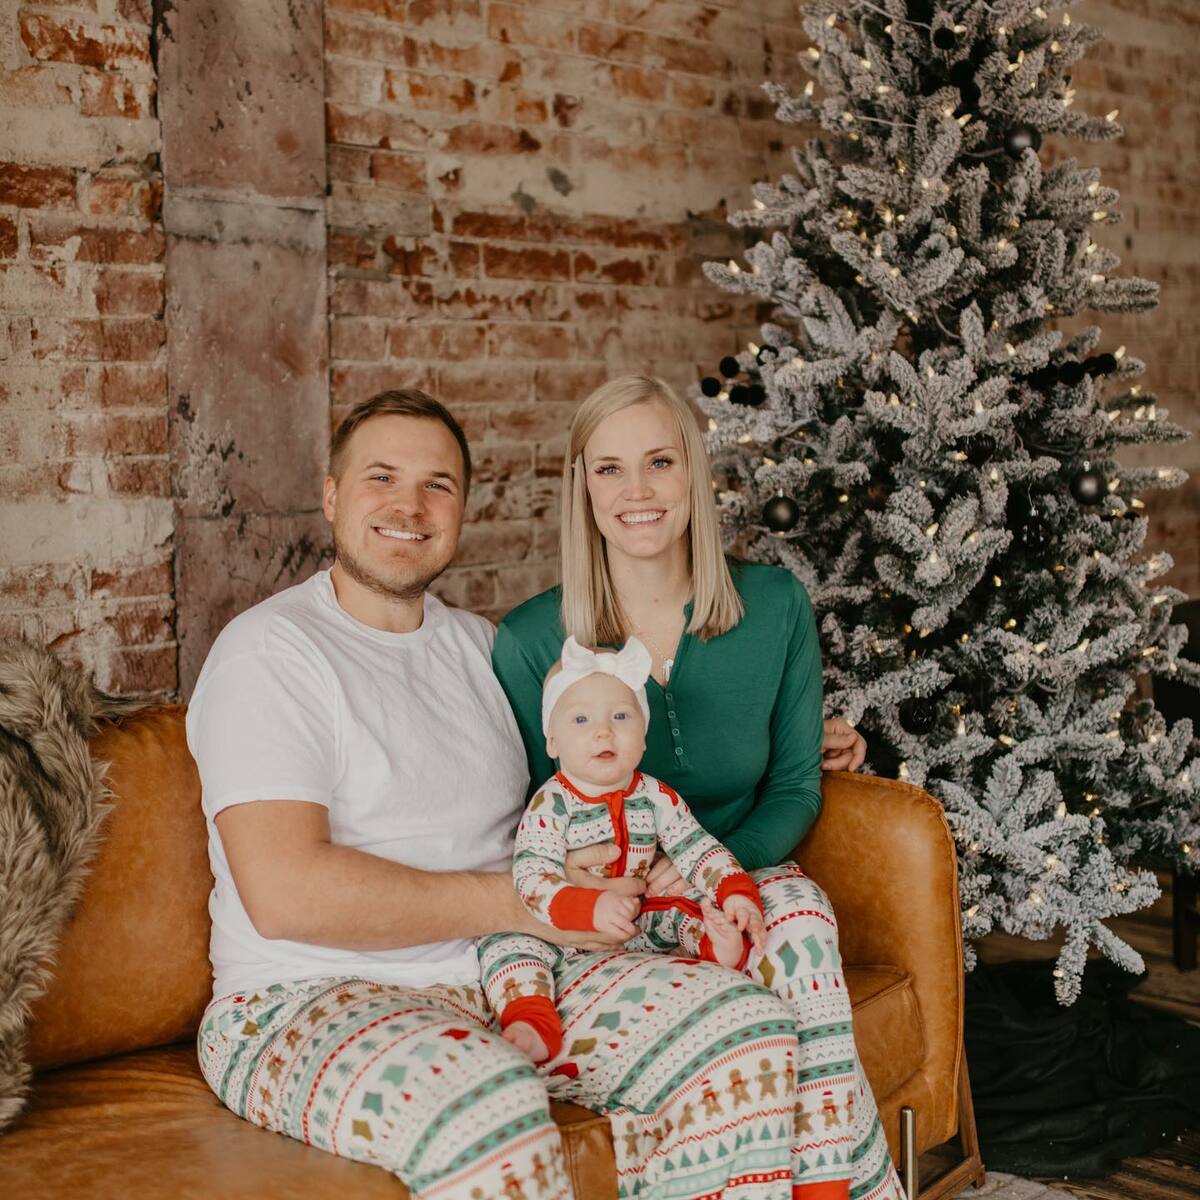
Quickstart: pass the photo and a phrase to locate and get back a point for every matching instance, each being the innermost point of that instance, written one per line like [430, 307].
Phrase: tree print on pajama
[695, 1067]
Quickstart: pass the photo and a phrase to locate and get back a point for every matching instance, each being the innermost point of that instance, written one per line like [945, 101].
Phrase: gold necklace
[667, 663]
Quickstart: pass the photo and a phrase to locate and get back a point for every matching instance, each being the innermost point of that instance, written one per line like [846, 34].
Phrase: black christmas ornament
[917, 714]
[765, 352]
[728, 366]
[758, 394]
[1021, 138]
[944, 38]
[1088, 486]
[1101, 364]
[1030, 524]
[968, 99]
[710, 386]
[740, 394]
[1071, 372]
[1043, 377]
[979, 448]
[781, 514]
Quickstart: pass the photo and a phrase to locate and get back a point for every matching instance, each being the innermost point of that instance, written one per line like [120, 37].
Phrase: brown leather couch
[119, 1107]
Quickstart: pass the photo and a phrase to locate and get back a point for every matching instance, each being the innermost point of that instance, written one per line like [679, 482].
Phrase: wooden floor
[1172, 1173]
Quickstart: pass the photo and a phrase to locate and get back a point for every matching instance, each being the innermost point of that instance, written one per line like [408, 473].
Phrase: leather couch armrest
[884, 854]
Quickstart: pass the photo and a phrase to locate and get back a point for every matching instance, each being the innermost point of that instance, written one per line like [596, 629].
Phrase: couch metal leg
[908, 1151]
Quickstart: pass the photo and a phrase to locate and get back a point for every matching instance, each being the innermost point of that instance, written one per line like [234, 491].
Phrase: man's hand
[743, 912]
[614, 915]
[664, 879]
[600, 854]
[843, 748]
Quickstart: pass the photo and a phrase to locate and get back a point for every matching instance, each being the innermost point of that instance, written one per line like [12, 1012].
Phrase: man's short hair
[410, 402]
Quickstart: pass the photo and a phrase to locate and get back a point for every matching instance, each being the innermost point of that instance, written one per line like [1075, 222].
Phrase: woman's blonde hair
[590, 609]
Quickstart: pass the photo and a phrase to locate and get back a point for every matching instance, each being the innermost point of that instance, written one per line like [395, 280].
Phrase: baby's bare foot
[725, 936]
[527, 1040]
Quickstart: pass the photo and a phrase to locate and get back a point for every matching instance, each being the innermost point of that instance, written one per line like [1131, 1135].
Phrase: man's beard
[391, 589]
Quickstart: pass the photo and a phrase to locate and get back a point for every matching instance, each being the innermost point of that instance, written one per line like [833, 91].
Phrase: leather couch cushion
[143, 1126]
[132, 965]
[146, 1124]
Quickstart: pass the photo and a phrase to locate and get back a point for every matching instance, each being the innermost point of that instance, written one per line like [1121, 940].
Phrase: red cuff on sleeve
[575, 908]
[540, 1013]
[738, 885]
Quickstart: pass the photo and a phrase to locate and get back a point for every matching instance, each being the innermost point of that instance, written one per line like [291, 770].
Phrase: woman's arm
[789, 793]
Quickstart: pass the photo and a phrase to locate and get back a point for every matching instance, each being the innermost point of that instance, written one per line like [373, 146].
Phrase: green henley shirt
[736, 731]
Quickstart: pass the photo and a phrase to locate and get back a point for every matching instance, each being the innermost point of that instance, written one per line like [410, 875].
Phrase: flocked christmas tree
[917, 441]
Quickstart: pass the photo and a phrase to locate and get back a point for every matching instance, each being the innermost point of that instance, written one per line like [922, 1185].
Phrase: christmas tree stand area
[1101, 1099]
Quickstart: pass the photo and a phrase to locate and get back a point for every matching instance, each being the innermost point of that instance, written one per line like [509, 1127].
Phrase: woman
[736, 722]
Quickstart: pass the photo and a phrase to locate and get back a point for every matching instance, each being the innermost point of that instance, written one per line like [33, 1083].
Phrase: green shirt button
[675, 732]
[678, 749]
[671, 715]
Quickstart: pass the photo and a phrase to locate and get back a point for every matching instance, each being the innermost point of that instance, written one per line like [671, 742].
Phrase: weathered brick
[463, 16]
[436, 343]
[532, 341]
[498, 542]
[568, 383]
[432, 93]
[37, 187]
[526, 263]
[352, 382]
[479, 138]
[54, 239]
[112, 339]
[62, 39]
[531, 27]
[151, 672]
[637, 84]
[125, 385]
[8, 237]
[139, 477]
[481, 382]
[129, 293]
[390, 10]
[115, 434]
[105, 94]
[354, 126]
[353, 337]
[404, 171]
[153, 579]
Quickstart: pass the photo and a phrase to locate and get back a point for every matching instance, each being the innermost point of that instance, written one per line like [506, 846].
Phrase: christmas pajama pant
[838, 1135]
[712, 1085]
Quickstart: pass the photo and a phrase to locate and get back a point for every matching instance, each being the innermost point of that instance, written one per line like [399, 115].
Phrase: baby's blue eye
[581, 720]
[619, 716]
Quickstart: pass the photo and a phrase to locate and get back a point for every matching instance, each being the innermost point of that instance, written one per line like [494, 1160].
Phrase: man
[362, 777]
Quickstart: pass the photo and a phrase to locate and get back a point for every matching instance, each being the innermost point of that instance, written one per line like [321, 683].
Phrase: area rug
[1012, 1187]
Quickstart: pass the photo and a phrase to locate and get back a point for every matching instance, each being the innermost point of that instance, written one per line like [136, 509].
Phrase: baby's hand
[743, 912]
[615, 914]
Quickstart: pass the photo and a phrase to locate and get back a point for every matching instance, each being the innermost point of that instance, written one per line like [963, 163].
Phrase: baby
[594, 717]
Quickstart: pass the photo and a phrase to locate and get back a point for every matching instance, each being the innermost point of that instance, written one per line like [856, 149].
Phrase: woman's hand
[664, 878]
[843, 748]
[600, 854]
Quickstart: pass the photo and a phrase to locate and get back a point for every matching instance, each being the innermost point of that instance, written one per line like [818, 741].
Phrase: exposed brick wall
[520, 197]
[1146, 69]
[85, 518]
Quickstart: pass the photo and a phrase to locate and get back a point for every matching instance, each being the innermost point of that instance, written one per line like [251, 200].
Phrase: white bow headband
[631, 665]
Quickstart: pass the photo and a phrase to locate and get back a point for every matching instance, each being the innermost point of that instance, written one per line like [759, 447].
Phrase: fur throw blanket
[52, 803]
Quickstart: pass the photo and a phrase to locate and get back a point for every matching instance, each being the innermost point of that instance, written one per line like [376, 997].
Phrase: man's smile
[402, 535]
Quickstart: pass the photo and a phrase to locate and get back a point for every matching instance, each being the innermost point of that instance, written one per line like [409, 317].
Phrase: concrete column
[241, 101]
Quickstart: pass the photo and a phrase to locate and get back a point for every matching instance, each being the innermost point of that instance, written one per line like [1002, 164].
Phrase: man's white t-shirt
[406, 738]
